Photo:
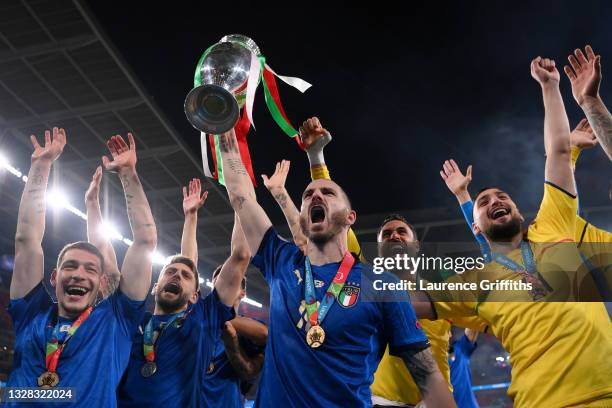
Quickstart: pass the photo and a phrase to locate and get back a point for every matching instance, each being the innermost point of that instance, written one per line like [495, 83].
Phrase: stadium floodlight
[200, 280]
[57, 199]
[110, 231]
[158, 258]
[244, 299]
[4, 164]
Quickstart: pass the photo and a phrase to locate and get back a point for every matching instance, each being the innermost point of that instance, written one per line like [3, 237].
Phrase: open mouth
[498, 213]
[172, 287]
[317, 214]
[76, 291]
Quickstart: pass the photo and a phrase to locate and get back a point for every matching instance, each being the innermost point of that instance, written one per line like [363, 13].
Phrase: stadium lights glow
[57, 199]
[110, 231]
[245, 299]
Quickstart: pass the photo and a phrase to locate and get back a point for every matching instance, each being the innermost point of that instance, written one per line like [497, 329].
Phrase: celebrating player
[328, 358]
[77, 342]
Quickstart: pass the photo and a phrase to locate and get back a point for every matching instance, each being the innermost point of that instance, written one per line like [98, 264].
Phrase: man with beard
[76, 342]
[174, 346]
[330, 359]
[393, 384]
[559, 351]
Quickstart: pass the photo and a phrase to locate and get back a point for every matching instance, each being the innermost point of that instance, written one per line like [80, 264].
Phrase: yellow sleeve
[556, 218]
[319, 172]
[575, 154]
[353, 244]
[462, 314]
[586, 232]
[595, 245]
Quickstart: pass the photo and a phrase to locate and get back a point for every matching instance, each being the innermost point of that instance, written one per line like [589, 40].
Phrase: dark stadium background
[401, 90]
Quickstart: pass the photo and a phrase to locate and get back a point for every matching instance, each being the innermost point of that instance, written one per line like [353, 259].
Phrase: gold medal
[48, 379]
[315, 336]
[148, 369]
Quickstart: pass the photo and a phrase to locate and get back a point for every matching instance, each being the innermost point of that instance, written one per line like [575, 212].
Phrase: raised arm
[233, 270]
[558, 168]
[246, 367]
[426, 374]
[255, 222]
[585, 76]
[137, 265]
[29, 260]
[252, 329]
[276, 187]
[456, 182]
[97, 237]
[193, 200]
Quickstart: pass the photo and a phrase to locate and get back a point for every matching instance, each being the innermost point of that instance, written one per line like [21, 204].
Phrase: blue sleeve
[401, 326]
[215, 313]
[465, 346]
[274, 253]
[467, 209]
[24, 310]
[129, 313]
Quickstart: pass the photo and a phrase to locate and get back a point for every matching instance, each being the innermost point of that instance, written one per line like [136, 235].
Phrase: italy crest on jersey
[348, 295]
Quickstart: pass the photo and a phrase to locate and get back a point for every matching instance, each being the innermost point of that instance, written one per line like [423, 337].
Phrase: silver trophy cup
[214, 106]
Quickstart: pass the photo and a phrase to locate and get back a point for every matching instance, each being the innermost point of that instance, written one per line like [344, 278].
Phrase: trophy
[225, 81]
[221, 79]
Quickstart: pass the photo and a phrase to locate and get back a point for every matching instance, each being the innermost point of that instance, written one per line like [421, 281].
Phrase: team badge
[348, 295]
[318, 283]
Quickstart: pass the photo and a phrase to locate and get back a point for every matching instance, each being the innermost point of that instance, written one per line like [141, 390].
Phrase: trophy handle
[211, 109]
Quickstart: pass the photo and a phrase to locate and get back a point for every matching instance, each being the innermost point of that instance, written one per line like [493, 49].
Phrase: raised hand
[52, 149]
[583, 136]
[278, 179]
[456, 182]
[93, 192]
[193, 199]
[584, 74]
[544, 71]
[124, 156]
[313, 134]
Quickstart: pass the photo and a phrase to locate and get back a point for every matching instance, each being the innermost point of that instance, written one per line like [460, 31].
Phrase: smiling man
[329, 357]
[559, 350]
[77, 342]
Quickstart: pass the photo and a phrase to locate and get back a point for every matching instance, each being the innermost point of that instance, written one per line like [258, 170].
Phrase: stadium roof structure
[58, 68]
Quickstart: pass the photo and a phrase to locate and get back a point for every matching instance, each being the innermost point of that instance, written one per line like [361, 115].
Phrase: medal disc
[48, 379]
[315, 336]
[148, 369]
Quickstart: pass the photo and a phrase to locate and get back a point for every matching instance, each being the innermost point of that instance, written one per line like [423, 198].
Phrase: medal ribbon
[54, 349]
[315, 317]
[528, 260]
[148, 343]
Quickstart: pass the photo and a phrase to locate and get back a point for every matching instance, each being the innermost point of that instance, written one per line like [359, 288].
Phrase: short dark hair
[217, 271]
[397, 217]
[182, 259]
[482, 190]
[83, 246]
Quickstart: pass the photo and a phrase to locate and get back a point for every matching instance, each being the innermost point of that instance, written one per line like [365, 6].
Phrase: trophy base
[211, 109]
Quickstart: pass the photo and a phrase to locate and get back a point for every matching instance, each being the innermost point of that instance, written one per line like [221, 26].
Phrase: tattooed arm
[96, 236]
[246, 367]
[29, 260]
[253, 218]
[585, 76]
[276, 186]
[137, 265]
[427, 376]
[232, 272]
